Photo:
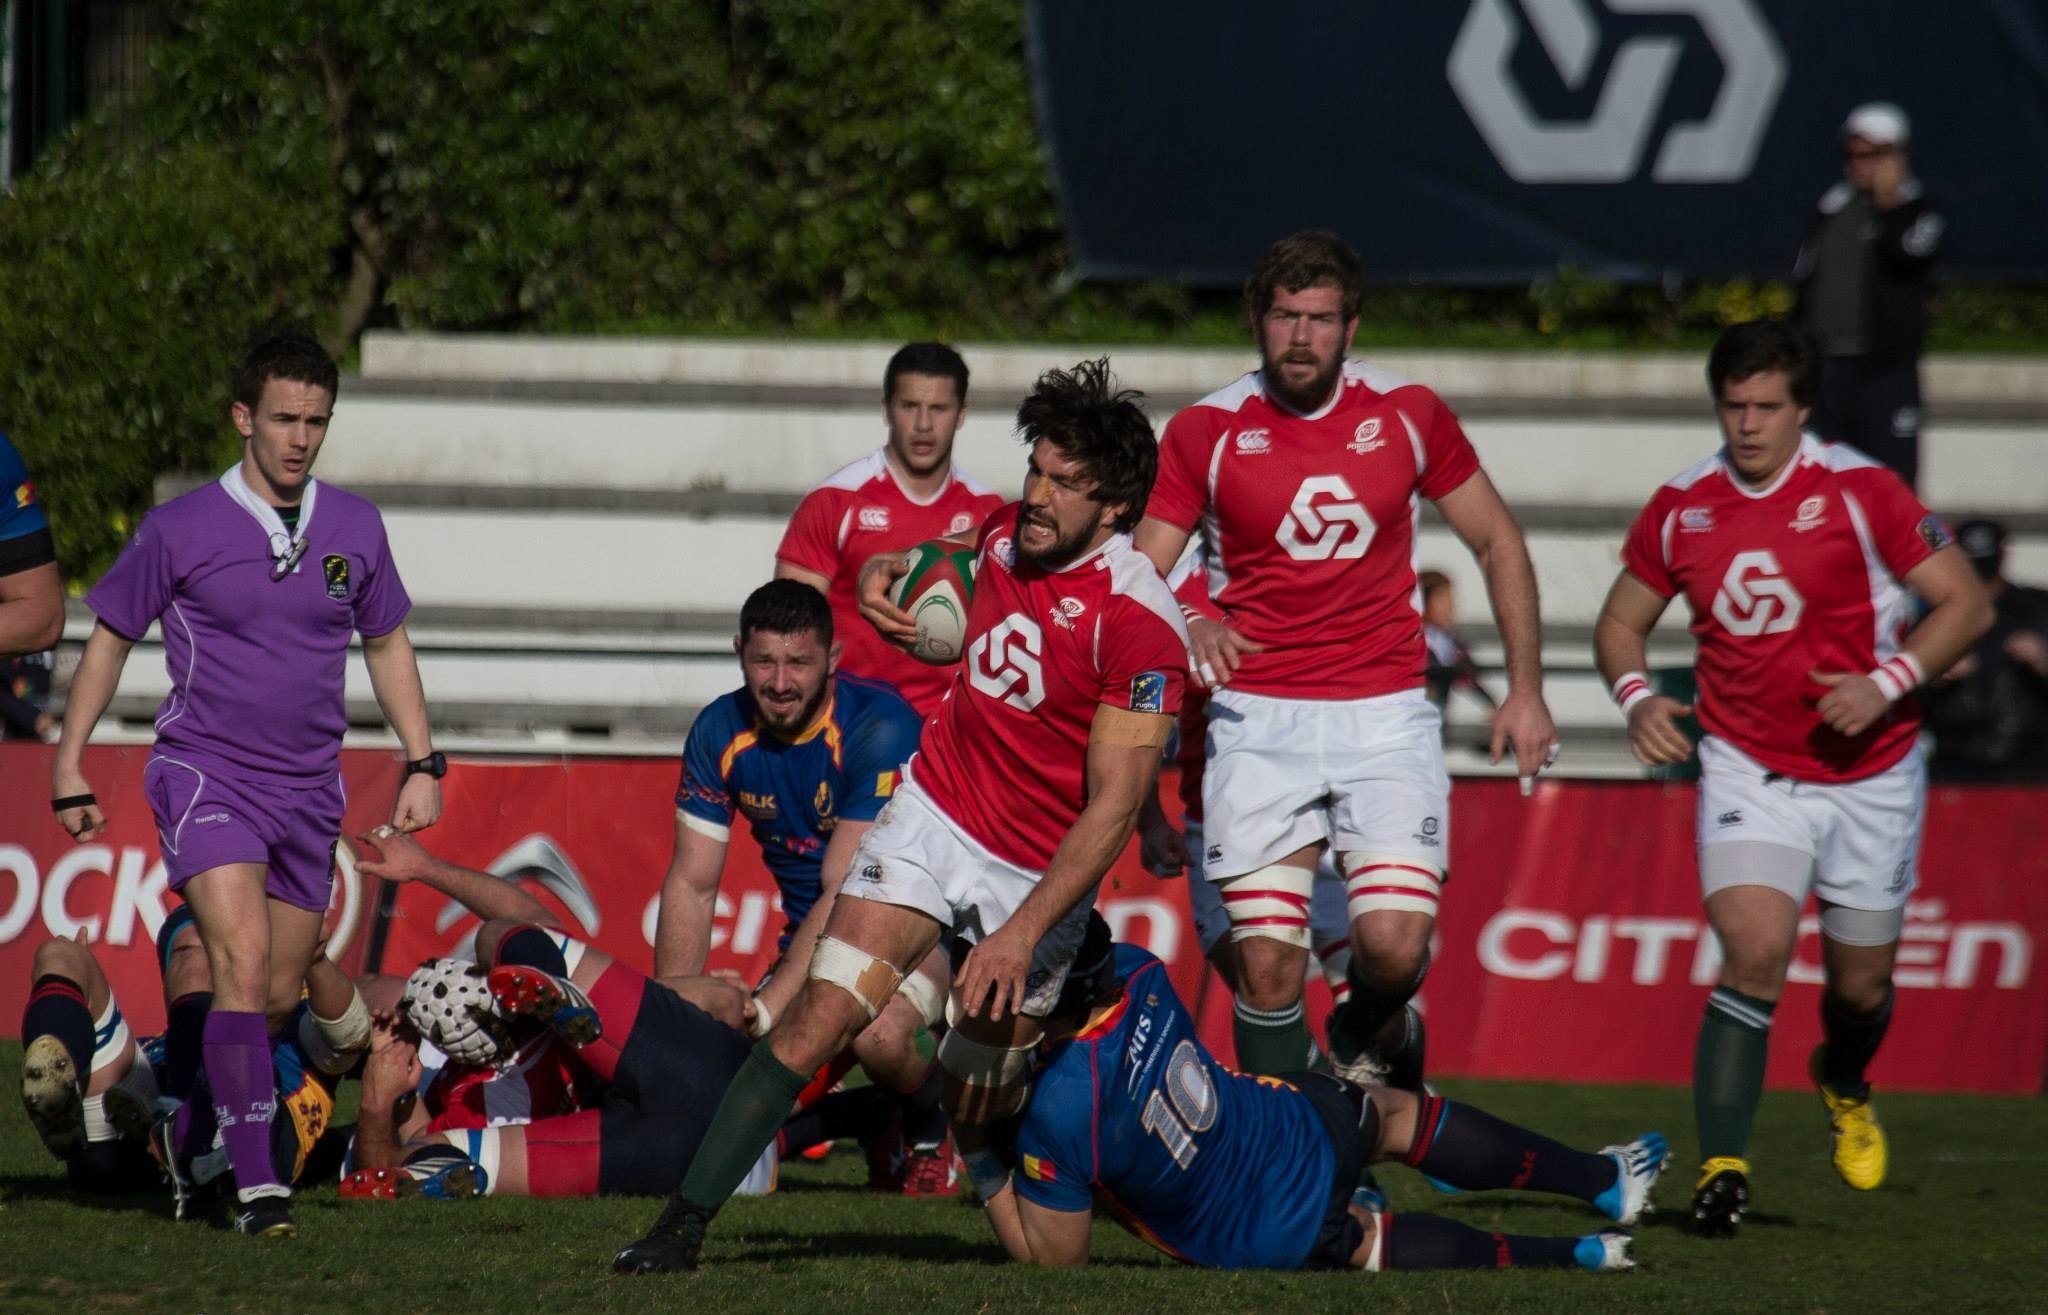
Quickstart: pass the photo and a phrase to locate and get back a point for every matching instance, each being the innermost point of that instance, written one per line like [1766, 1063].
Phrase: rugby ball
[937, 591]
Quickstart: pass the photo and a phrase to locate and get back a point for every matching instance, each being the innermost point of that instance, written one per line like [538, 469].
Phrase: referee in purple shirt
[259, 580]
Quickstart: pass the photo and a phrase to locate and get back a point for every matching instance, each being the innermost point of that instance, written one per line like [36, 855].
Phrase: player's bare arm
[1959, 614]
[1123, 766]
[788, 977]
[92, 689]
[1034, 1235]
[395, 680]
[788, 570]
[1475, 511]
[31, 610]
[396, 857]
[682, 928]
[1218, 649]
[1621, 647]
[1161, 847]
[389, 1116]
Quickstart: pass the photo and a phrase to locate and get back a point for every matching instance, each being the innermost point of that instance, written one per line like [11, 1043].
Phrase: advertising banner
[1572, 945]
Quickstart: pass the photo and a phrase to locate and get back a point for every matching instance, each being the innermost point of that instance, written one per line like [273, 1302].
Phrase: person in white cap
[1864, 277]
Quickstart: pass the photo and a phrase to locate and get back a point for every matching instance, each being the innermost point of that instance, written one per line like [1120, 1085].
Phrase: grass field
[1962, 1226]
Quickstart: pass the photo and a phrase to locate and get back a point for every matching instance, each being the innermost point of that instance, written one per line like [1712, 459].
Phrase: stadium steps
[578, 519]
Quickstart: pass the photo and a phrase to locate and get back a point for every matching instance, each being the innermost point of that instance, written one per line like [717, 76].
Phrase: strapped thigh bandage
[926, 996]
[1271, 902]
[1390, 881]
[867, 979]
[978, 1064]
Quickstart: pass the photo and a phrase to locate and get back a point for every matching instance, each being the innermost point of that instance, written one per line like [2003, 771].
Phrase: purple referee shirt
[256, 654]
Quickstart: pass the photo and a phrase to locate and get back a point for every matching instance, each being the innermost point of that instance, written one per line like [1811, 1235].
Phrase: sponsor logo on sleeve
[1148, 691]
[334, 569]
[1934, 534]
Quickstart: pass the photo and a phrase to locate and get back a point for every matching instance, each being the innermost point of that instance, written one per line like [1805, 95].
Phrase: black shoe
[1721, 1196]
[1404, 1066]
[186, 1197]
[672, 1245]
[266, 1216]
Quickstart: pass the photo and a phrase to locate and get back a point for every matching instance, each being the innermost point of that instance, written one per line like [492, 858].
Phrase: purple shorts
[206, 818]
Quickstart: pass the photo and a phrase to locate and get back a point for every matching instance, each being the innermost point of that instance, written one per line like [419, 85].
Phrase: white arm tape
[1898, 676]
[764, 1018]
[1630, 689]
[334, 1044]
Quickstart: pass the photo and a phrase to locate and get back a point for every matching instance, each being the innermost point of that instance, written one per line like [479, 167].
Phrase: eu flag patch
[1148, 691]
[1934, 534]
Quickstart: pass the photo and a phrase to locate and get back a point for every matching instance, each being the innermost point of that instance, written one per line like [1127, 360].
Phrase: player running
[1026, 788]
[260, 579]
[1795, 556]
[904, 492]
[1237, 1171]
[808, 756]
[1305, 479]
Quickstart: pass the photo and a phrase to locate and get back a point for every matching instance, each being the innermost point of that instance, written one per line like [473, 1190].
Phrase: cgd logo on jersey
[1003, 662]
[1325, 521]
[1755, 598]
[1609, 144]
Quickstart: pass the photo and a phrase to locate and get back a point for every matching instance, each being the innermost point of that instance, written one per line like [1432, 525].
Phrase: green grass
[1962, 1226]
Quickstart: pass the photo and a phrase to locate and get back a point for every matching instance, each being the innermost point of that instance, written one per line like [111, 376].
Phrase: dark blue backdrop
[1631, 138]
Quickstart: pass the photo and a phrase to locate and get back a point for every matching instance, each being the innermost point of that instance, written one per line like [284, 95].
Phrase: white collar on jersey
[1808, 450]
[286, 546]
[896, 477]
[1336, 395]
[1102, 549]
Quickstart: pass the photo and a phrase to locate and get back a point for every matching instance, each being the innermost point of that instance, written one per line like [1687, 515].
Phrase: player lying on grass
[566, 1073]
[101, 1126]
[1236, 1171]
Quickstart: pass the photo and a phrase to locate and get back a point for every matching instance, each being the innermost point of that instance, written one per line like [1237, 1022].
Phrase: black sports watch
[434, 764]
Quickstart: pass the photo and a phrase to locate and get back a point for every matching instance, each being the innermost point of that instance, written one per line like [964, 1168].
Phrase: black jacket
[1902, 257]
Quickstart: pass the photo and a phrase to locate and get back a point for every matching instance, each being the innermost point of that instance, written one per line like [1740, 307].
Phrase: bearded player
[808, 756]
[1128, 1111]
[904, 492]
[1026, 789]
[1305, 479]
[1796, 557]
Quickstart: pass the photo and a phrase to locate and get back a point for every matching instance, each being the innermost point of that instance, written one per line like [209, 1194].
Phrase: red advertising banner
[1572, 945]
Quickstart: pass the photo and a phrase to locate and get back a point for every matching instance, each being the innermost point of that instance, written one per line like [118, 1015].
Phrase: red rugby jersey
[1006, 755]
[1800, 577]
[861, 510]
[1309, 522]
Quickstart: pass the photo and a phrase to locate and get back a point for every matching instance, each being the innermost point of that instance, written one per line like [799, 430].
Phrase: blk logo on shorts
[334, 569]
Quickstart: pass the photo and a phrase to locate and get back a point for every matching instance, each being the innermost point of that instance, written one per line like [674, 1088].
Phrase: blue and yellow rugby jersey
[793, 792]
[1211, 1166]
[20, 513]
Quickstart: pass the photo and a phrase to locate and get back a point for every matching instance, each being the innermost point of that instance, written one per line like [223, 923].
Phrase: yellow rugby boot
[1860, 1151]
[1720, 1196]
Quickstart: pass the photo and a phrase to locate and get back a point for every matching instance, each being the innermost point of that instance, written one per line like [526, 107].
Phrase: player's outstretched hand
[1853, 702]
[392, 855]
[1219, 650]
[992, 979]
[1522, 723]
[84, 821]
[871, 590]
[419, 803]
[1653, 731]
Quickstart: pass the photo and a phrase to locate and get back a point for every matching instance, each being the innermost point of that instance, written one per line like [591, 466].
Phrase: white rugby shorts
[1356, 774]
[917, 857]
[1863, 837]
[1329, 922]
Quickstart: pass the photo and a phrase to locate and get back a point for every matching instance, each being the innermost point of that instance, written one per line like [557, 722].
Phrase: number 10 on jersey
[1184, 1106]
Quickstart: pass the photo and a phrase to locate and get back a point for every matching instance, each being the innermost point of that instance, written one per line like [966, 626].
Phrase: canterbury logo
[1003, 662]
[1609, 145]
[1325, 521]
[1755, 598]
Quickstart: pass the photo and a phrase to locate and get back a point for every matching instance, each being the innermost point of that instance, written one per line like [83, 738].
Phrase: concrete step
[557, 449]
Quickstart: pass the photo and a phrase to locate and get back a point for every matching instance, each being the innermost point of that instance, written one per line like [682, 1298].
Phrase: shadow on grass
[49, 1187]
[769, 1247]
[1672, 1219]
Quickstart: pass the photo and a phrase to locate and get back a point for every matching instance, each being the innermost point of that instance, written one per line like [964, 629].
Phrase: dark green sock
[1852, 1039]
[754, 1108]
[1273, 1041]
[1728, 1070]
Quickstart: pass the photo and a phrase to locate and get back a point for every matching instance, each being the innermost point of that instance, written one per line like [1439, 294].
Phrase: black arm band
[71, 801]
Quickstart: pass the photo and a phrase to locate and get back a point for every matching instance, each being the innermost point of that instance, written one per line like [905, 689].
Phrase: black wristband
[71, 801]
